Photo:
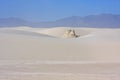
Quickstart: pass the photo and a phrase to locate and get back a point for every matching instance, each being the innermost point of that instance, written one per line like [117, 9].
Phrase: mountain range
[96, 21]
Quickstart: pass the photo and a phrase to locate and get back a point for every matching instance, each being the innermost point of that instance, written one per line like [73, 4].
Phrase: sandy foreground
[44, 54]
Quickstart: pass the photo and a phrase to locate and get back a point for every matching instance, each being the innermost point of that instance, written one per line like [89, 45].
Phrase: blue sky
[47, 10]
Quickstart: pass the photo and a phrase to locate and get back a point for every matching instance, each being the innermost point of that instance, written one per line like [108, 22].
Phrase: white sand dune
[44, 50]
[92, 45]
[23, 32]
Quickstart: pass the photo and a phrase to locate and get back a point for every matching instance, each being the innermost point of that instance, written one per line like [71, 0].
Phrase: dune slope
[92, 45]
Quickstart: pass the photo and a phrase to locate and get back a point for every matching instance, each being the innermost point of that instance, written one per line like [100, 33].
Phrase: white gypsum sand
[45, 54]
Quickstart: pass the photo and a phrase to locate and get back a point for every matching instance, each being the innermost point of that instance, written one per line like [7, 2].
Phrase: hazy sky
[46, 10]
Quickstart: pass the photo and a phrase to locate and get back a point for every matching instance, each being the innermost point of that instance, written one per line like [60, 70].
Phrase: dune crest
[67, 32]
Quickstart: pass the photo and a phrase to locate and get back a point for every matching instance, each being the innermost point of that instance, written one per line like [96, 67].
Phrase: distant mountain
[11, 22]
[101, 21]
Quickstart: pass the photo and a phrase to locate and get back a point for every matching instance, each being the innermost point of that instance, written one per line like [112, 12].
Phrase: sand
[44, 54]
